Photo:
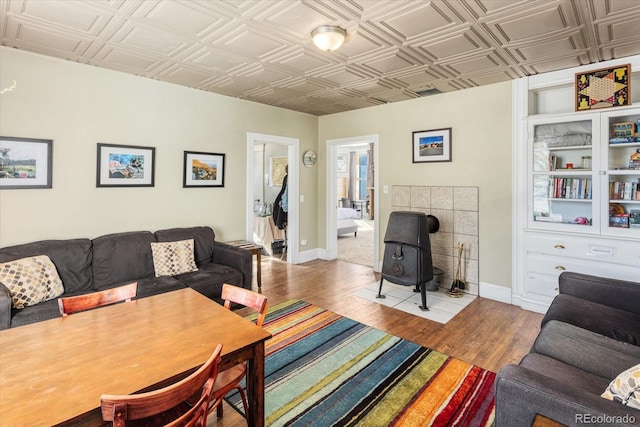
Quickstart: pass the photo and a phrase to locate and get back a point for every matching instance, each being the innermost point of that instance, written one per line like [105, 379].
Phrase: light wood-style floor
[487, 333]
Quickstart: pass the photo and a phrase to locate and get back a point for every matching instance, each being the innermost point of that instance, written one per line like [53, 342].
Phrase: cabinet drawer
[585, 248]
[541, 287]
[552, 266]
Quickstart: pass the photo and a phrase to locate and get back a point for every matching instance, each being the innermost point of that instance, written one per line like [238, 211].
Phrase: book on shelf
[624, 190]
[569, 188]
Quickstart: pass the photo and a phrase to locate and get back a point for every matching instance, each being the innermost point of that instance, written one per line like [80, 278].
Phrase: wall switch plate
[385, 189]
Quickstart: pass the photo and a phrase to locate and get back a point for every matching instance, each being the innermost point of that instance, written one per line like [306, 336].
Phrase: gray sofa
[589, 335]
[112, 260]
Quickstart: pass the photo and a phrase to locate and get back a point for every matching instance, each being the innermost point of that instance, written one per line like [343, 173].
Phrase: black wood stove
[407, 251]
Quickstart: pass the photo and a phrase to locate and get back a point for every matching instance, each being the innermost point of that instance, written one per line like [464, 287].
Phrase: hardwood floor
[487, 333]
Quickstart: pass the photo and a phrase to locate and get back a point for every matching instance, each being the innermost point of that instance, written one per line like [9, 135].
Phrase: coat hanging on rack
[280, 209]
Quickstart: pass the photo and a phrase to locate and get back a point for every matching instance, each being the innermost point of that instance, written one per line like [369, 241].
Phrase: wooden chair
[168, 405]
[70, 305]
[231, 378]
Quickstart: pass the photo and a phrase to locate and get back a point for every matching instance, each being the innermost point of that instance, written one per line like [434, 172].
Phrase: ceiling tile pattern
[261, 50]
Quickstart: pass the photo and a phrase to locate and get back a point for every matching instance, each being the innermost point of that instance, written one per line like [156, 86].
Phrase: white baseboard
[309, 255]
[495, 292]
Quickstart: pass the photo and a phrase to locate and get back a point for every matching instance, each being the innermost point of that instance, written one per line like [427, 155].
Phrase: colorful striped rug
[323, 369]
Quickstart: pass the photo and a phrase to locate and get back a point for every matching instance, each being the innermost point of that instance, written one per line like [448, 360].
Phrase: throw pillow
[31, 280]
[171, 258]
[625, 388]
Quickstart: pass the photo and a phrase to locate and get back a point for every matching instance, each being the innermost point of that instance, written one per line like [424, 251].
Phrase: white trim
[293, 185]
[309, 255]
[332, 195]
[495, 292]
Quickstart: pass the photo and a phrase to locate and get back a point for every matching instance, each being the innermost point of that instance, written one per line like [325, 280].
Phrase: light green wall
[480, 119]
[78, 106]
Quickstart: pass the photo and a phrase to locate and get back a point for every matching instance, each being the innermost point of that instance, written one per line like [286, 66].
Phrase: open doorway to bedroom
[354, 187]
[352, 178]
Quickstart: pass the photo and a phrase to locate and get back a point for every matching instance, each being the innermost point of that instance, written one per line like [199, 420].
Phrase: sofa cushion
[209, 278]
[203, 237]
[31, 280]
[171, 258]
[72, 259]
[158, 285]
[122, 257]
[585, 349]
[36, 313]
[568, 374]
[625, 388]
[611, 322]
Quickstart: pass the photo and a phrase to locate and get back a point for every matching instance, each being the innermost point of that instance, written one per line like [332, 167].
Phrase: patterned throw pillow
[31, 280]
[171, 258]
[625, 388]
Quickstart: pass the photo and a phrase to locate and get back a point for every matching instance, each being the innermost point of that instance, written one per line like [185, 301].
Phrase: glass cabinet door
[621, 188]
[562, 174]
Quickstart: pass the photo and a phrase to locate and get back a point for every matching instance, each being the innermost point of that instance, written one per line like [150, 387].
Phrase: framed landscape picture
[203, 169]
[25, 163]
[125, 166]
[432, 145]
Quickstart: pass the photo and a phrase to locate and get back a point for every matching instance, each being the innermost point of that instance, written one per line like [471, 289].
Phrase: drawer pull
[559, 267]
[559, 246]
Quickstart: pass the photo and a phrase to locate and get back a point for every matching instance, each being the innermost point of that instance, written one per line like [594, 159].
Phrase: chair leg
[244, 401]
[219, 410]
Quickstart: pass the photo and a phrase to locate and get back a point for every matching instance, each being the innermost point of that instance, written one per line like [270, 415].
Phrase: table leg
[259, 269]
[255, 387]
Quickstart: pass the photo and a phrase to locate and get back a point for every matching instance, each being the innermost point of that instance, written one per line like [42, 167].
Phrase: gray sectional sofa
[89, 265]
[589, 335]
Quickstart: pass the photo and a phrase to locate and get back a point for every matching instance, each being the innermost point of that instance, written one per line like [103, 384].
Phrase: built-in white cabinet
[576, 189]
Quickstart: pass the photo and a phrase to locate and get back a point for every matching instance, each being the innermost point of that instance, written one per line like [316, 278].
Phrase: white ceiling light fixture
[328, 37]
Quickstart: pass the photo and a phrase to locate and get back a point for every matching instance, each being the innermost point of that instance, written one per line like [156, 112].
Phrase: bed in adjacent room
[347, 221]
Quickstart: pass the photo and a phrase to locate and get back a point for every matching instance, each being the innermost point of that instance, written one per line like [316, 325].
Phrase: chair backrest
[247, 298]
[122, 408]
[70, 305]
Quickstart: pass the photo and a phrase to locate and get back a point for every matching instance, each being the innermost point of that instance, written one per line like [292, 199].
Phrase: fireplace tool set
[458, 284]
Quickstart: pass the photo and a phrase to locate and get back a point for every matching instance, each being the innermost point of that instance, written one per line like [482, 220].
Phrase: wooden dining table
[53, 372]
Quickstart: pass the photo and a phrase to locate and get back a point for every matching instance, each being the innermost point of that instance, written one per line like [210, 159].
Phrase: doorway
[292, 146]
[345, 151]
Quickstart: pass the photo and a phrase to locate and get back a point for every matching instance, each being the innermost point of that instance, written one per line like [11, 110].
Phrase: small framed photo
[432, 145]
[203, 169]
[25, 163]
[125, 166]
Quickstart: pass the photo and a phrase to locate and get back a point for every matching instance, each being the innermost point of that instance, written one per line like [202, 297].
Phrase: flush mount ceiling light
[328, 37]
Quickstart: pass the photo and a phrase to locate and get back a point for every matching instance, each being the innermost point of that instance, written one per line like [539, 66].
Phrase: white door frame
[332, 193]
[293, 152]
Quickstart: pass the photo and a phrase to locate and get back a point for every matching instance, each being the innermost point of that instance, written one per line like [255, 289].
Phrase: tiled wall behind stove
[457, 210]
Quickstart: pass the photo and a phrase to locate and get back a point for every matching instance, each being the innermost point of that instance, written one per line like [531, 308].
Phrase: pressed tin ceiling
[261, 50]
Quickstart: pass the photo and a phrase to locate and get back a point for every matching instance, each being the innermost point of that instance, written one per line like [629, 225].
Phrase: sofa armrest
[614, 293]
[522, 393]
[5, 307]
[235, 257]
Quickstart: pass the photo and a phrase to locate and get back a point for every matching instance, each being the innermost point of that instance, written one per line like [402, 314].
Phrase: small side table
[255, 250]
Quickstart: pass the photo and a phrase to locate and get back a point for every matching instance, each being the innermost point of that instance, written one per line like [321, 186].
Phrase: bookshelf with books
[576, 178]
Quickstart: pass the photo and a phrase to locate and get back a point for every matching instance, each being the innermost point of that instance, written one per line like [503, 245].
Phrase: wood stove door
[401, 264]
